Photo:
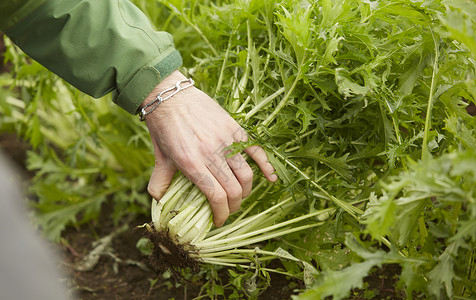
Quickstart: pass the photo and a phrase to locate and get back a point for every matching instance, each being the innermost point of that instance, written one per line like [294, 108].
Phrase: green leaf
[466, 136]
[305, 114]
[280, 168]
[346, 86]
[309, 272]
[295, 28]
[337, 284]
[145, 246]
[408, 80]
[379, 215]
[442, 275]
[322, 246]
[34, 132]
[460, 21]
[339, 165]
[411, 278]
[54, 222]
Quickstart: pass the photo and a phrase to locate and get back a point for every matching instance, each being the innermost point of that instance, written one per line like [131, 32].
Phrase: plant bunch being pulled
[182, 221]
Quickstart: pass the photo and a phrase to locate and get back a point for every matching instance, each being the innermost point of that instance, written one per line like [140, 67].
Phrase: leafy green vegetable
[361, 106]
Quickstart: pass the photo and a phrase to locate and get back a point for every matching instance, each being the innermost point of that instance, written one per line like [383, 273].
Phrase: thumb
[162, 175]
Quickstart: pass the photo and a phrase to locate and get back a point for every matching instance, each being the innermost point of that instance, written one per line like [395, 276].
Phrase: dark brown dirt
[14, 148]
[4, 68]
[111, 279]
[130, 281]
[169, 255]
[381, 284]
[471, 109]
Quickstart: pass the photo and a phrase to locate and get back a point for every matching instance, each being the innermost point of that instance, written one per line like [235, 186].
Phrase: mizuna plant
[361, 107]
[343, 95]
[182, 222]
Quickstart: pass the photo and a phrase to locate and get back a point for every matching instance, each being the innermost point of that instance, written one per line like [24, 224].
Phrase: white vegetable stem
[185, 215]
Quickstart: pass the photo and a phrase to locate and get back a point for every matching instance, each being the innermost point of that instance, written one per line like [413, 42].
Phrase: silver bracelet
[159, 99]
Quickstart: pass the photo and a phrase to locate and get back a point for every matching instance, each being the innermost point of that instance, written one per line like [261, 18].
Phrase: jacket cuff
[146, 79]
[97, 46]
[12, 12]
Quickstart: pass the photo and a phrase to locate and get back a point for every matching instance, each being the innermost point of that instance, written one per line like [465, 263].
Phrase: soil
[111, 279]
[14, 148]
[167, 254]
[117, 277]
[471, 109]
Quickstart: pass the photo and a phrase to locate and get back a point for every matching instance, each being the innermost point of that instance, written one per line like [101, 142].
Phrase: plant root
[170, 255]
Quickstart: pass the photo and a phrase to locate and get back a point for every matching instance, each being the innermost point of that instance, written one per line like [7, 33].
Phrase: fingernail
[273, 177]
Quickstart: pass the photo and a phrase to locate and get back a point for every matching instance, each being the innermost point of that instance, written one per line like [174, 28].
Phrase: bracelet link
[159, 99]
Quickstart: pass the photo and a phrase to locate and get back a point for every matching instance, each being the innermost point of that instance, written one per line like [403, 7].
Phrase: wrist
[166, 83]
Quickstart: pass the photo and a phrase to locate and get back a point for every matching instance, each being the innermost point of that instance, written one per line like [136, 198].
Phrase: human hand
[190, 132]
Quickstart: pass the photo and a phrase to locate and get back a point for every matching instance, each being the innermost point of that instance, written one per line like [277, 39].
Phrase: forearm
[98, 46]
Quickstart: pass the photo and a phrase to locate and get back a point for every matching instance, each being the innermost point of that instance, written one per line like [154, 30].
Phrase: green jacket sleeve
[99, 46]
